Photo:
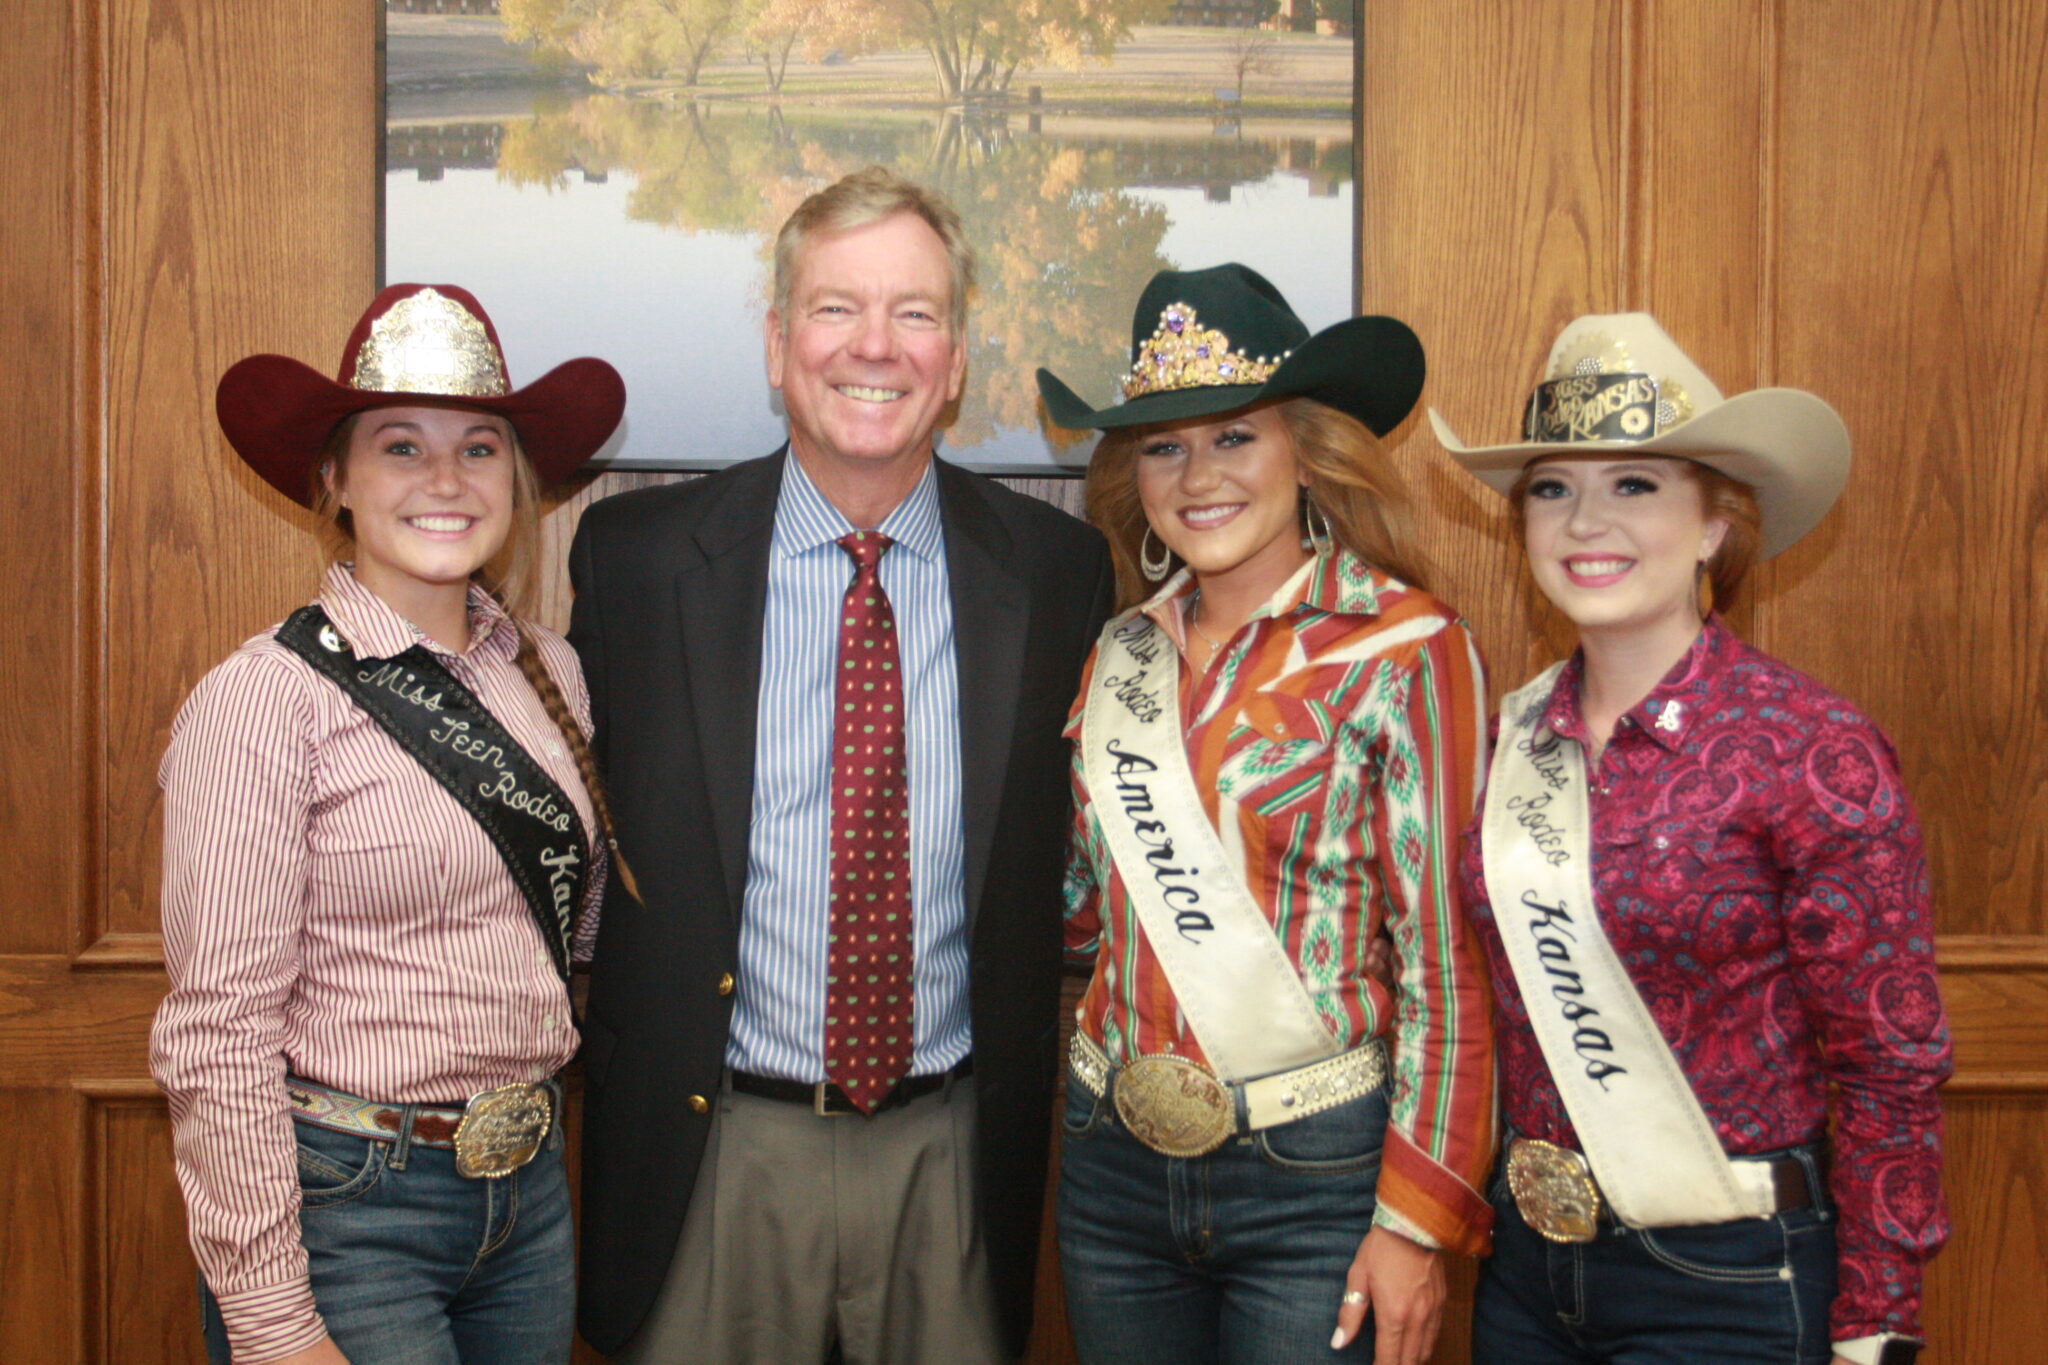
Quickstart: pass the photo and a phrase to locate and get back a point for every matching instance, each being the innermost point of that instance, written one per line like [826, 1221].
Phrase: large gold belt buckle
[1174, 1106]
[1554, 1190]
[502, 1129]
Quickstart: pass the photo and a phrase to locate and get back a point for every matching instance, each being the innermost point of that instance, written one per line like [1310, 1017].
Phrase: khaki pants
[803, 1231]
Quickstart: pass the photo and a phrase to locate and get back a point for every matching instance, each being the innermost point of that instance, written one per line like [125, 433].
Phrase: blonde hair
[1721, 498]
[1350, 482]
[869, 196]
[513, 578]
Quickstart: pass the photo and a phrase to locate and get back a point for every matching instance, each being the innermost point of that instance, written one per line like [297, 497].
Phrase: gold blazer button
[699, 1105]
[725, 984]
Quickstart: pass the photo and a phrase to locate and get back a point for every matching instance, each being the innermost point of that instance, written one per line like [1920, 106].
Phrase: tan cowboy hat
[1617, 383]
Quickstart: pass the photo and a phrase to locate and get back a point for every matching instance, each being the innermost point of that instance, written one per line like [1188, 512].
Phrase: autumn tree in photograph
[976, 46]
[771, 31]
[1251, 52]
[624, 39]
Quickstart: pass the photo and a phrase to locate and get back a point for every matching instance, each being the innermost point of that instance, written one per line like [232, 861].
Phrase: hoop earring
[1322, 543]
[1154, 570]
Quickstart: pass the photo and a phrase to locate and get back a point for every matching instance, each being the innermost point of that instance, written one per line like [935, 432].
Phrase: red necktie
[867, 991]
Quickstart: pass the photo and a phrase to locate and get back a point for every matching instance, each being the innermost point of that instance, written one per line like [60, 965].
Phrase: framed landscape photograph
[607, 177]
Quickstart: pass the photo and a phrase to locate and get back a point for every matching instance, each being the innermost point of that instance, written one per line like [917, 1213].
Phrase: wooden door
[191, 185]
[1828, 193]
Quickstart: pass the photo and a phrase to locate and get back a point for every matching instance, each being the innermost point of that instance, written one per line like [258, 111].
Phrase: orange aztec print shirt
[1338, 741]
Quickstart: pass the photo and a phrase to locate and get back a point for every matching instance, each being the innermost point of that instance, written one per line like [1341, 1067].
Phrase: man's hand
[1401, 1284]
[321, 1352]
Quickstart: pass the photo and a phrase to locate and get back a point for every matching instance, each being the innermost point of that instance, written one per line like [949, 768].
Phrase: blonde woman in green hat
[1276, 741]
[1703, 895]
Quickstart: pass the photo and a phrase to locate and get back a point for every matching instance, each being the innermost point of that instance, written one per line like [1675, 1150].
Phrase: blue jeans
[413, 1264]
[1234, 1258]
[1753, 1290]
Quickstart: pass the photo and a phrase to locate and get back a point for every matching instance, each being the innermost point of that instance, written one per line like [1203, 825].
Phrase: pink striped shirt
[329, 910]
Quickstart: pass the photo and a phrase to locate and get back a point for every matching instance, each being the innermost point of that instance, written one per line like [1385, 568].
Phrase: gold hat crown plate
[428, 343]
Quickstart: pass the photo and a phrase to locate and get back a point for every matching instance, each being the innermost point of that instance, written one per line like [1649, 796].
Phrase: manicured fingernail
[1337, 1340]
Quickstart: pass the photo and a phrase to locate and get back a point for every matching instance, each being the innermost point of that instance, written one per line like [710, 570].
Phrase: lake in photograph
[638, 229]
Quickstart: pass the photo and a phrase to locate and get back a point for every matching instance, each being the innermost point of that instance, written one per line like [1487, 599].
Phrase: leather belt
[827, 1100]
[1179, 1108]
[1556, 1194]
[433, 1125]
[494, 1134]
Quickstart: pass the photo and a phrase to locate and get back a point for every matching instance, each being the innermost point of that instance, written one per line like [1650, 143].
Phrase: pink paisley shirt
[1759, 871]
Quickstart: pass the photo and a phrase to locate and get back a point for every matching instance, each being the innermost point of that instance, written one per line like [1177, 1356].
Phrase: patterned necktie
[867, 992]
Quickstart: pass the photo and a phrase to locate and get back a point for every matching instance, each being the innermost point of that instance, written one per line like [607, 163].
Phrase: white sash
[1652, 1148]
[1242, 997]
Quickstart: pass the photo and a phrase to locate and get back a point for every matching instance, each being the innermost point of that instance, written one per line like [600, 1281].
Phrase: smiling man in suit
[829, 687]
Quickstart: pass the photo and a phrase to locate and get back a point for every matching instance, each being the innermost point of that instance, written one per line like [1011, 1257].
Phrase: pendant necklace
[1195, 605]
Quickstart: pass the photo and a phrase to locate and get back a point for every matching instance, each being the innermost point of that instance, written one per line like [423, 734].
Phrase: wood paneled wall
[1823, 193]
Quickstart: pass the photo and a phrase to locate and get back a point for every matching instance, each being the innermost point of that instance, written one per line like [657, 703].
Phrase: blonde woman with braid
[382, 826]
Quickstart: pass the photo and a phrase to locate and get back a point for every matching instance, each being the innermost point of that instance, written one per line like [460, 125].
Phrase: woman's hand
[1401, 1283]
[321, 1352]
[1379, 960]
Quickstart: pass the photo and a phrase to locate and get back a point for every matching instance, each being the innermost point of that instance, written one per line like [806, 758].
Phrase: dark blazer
[671, 584]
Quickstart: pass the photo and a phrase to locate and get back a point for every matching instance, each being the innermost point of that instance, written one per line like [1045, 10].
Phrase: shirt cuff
[1384, 1217]
[1428, 1203]
[1866, 1350]
[271, 1322]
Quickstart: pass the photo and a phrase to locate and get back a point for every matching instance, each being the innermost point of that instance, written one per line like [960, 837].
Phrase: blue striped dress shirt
[778, 1023]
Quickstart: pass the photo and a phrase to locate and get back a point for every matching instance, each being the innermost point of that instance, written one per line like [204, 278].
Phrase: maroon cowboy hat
[415, 345]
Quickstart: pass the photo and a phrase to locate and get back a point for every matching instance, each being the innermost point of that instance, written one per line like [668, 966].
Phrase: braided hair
[557, 706]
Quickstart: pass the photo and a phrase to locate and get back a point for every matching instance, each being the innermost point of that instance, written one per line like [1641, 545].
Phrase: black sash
[530, 820]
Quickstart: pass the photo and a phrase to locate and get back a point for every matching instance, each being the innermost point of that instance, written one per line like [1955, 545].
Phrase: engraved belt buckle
[1174, 1106]
[1554, 1190]
[502, 1129]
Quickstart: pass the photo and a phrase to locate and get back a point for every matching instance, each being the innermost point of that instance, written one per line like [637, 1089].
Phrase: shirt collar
[1675, 704]
[375, 630]
[1339, 583]
[805, 519]
[1670, 709]
[1342, 584]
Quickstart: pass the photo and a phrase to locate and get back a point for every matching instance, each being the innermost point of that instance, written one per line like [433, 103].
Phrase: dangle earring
[1316, 525]
[1153, 569]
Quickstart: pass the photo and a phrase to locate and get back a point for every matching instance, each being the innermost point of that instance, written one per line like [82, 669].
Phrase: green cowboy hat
[1210, 341]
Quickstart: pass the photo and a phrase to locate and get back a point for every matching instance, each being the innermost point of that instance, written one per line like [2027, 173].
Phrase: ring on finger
[1354, 1296]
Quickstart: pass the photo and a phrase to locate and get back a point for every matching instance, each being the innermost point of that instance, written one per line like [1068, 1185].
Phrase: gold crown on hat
[429, 343]
[1599, 353]
[1597, 392]
[1183, 354]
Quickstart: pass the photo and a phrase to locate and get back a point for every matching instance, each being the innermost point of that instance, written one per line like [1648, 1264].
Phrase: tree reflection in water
[1064, 245]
